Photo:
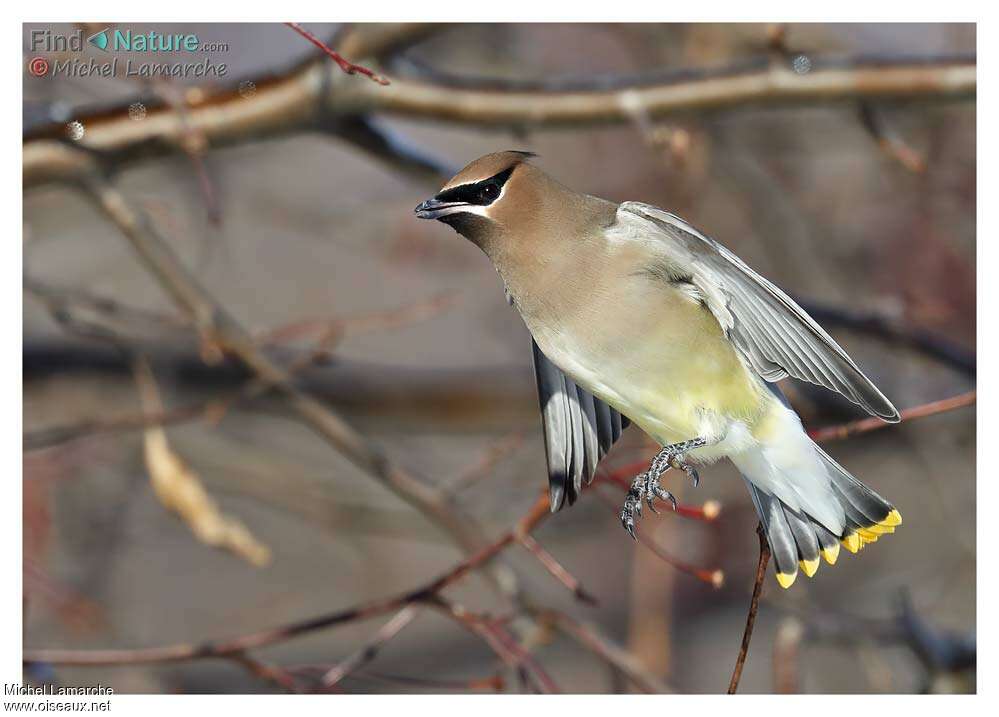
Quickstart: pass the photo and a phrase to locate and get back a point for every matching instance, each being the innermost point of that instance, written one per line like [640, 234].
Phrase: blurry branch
[494, 683]
[63, 303]
[887, 328]
[608, 652]
[344, 64]
[427, 594]
[268, 673]
[370, 650]
[555, 568]
[180, 490]
[194, 144]
[947, 657]
[871, 117]
[223, 333]
[317, 95]
[754, 606]
[865, 425]
[873, 120]
[382, 40]
[282, 633]
[500, 641]
[787, 646]
[495, 453]
[336, 329]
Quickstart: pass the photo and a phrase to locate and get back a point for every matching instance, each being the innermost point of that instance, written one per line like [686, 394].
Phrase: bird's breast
[652, 351]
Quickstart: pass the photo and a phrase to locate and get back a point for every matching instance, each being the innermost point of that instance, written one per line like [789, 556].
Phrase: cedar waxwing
[638, 317]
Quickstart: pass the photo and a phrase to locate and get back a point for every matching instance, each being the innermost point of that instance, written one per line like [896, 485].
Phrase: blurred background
[169, 497]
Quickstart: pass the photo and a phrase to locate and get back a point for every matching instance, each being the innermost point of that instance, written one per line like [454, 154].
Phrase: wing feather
[579, 429]
[774, 335]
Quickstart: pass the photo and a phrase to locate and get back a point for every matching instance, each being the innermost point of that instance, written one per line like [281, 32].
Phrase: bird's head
[487, 198]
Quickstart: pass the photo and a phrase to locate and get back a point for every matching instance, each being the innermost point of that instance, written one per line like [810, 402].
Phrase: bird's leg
[646, 485]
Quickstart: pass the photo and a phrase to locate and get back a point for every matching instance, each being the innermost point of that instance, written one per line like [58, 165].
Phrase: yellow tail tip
[893, 518]
[809, 566]
[831, 553]
[786, 580]
[851, 542]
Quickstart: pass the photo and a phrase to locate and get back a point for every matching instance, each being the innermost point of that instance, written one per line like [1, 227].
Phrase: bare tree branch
[754, 606]
[296, 103]
[609, 652]
[346, 65]
[866, 425]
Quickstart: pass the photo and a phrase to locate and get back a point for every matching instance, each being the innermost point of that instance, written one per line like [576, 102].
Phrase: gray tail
[798, 540]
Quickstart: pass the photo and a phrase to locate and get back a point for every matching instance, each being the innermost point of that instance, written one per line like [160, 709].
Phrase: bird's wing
[579, 430]
[775, 335]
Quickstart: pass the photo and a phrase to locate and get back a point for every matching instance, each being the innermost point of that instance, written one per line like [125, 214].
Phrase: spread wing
[579, 430]
[775, 335]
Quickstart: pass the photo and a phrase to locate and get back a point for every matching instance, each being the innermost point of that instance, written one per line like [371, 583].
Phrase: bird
[638, 317]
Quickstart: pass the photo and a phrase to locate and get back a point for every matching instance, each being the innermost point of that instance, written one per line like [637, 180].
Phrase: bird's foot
[633, 505]
[646, 485]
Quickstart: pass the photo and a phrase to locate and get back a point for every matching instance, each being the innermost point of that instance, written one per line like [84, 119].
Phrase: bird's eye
[489, 192]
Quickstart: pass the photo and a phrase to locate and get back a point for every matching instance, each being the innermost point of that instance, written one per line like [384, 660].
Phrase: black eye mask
[481, 193]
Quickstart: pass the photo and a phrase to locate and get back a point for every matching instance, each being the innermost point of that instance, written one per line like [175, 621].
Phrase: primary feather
[771, 331]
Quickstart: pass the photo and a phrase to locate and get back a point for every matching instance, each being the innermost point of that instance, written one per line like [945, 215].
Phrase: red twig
[622, 476]
[865, 425]
[346, 65]
[714, 578]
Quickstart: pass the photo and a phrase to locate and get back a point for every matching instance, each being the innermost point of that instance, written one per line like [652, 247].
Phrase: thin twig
[555, 568]
[370, 650]
[346, 65]
[501, 642]
[866, 425]
[754, 606]
[889, 140]
[268, 673]
[714, 578]
[614, 655]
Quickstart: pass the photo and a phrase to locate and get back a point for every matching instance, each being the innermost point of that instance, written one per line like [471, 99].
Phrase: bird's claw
[645, 487]
[680, 464]
[633, 505]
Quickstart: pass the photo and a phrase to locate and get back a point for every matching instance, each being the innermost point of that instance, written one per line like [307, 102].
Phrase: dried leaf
[180, 490]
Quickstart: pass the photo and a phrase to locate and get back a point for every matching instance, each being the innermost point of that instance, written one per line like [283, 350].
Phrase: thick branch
[319, 92]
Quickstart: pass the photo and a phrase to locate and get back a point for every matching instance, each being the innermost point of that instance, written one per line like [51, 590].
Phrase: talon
[666, 495]
[628, 523]
[650, 498]
[680, 464]
[645, 486]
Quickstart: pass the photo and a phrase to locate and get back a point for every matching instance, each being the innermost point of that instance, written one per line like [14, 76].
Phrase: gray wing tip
[893, 417]
[877, 404]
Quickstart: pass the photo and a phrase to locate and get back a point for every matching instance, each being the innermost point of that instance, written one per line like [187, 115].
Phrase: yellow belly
[660, 358]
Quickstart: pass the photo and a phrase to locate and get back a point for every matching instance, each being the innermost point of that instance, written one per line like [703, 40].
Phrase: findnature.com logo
[115, 40]
[112, 41]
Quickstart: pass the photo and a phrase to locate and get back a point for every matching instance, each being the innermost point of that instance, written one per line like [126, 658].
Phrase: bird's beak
[435, 209]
